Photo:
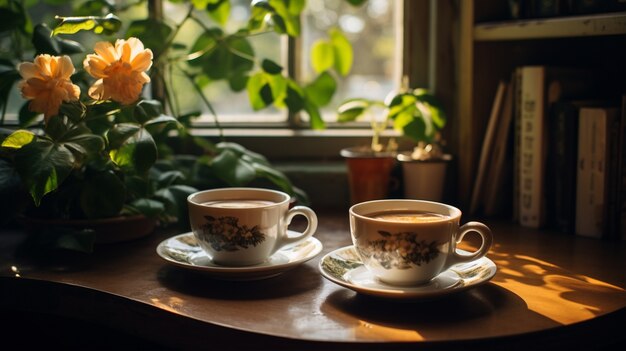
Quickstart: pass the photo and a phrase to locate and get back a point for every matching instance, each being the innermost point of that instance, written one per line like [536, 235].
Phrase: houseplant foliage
[100, 154]
[415, 113]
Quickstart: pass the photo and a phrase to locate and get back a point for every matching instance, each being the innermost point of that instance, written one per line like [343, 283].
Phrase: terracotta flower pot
[369, 173]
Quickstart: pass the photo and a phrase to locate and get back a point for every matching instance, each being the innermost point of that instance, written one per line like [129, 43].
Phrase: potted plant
[370, 167]
[138, 150]
[418, 116]
[87, 170]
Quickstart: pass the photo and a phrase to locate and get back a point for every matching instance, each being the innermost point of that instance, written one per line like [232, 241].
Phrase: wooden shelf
[543, 28]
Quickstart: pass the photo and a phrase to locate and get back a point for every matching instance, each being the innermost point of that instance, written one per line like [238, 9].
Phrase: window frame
[297, 140]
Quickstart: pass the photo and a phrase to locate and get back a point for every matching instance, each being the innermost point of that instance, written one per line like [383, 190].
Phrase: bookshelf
[487, 49]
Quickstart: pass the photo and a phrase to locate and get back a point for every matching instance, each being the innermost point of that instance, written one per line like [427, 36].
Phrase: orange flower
[47, 83]
[120, 70]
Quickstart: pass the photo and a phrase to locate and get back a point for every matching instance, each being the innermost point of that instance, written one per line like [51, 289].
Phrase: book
[517, 127]
[540, 87]
[500, 163]
[561, 162]
[617, 185]
[485, 154]
[619, 231]
[593, 175]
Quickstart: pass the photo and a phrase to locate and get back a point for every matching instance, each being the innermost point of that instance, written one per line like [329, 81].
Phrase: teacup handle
[487, 240]
[310, 228]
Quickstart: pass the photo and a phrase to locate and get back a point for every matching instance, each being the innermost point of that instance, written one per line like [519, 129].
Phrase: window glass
[372, 31]
[229, 106]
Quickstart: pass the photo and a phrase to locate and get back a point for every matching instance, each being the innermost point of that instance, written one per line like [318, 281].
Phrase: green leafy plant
[97, 158]
[415, 113]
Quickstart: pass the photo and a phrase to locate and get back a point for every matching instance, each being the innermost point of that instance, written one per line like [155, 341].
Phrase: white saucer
[344, 267]
[182, 250]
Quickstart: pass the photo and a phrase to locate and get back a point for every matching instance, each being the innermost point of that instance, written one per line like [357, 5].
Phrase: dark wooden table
[550, 290]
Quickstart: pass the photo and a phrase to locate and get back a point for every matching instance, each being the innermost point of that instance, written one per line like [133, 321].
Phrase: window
[371, 28]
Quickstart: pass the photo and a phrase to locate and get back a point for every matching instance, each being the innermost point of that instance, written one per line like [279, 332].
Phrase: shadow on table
[485, 311]
[295, 281]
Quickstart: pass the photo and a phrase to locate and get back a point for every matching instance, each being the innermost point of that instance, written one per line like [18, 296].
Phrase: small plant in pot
[419, 117]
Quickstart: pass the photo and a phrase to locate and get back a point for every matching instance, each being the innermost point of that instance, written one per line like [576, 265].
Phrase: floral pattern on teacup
[225, 234]
[400, 250]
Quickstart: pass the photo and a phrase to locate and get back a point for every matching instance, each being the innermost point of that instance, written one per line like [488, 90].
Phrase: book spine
[531, 147]
[621, 177]
[592, 173]
[561, 177]
[517, 136]
[487, 149]
[612, 190]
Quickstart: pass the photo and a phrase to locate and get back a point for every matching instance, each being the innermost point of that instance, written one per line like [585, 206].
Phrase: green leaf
[107, 25]
[356, 2]
[289, 14]
[242, 152]
[161, 121]
[69, 47]
[148, 207]
[321, 90]
[271, 67]
[242, 54]
[342, 51]
[411, 127]
[434, 106]
[18, 139]
[42, 166]
[74, 110]
[204, 44]
[283, 15]
[351, 110]
[231, 169]
[169, 178]
[258, 97]
[133, 148]
[26, 117]
[278, 86]
[56, 128]
[295, 97]
[275, 176]
[43, 41]
[153, 33]
[175, 199]
[223, 58]
[219, 10]
[238, 82]
[314, 114]
[121, 132]
[102, 195]
[322, 56]
[82, 143]
[94, 8]
[259, 15]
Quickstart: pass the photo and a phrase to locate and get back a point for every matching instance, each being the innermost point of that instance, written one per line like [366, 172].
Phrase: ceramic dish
[344, 267]
[182, 250]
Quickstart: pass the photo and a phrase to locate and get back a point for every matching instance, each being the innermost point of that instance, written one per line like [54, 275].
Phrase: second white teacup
[409, 242]
[244, 226]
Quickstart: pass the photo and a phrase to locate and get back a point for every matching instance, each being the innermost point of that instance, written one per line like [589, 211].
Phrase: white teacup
[409, 242]
[244, 226]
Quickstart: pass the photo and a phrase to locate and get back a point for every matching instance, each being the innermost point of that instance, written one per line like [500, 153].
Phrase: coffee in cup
[409, 242]
[244, 226]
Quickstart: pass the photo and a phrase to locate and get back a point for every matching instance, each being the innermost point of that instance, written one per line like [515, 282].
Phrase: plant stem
[205, 100]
